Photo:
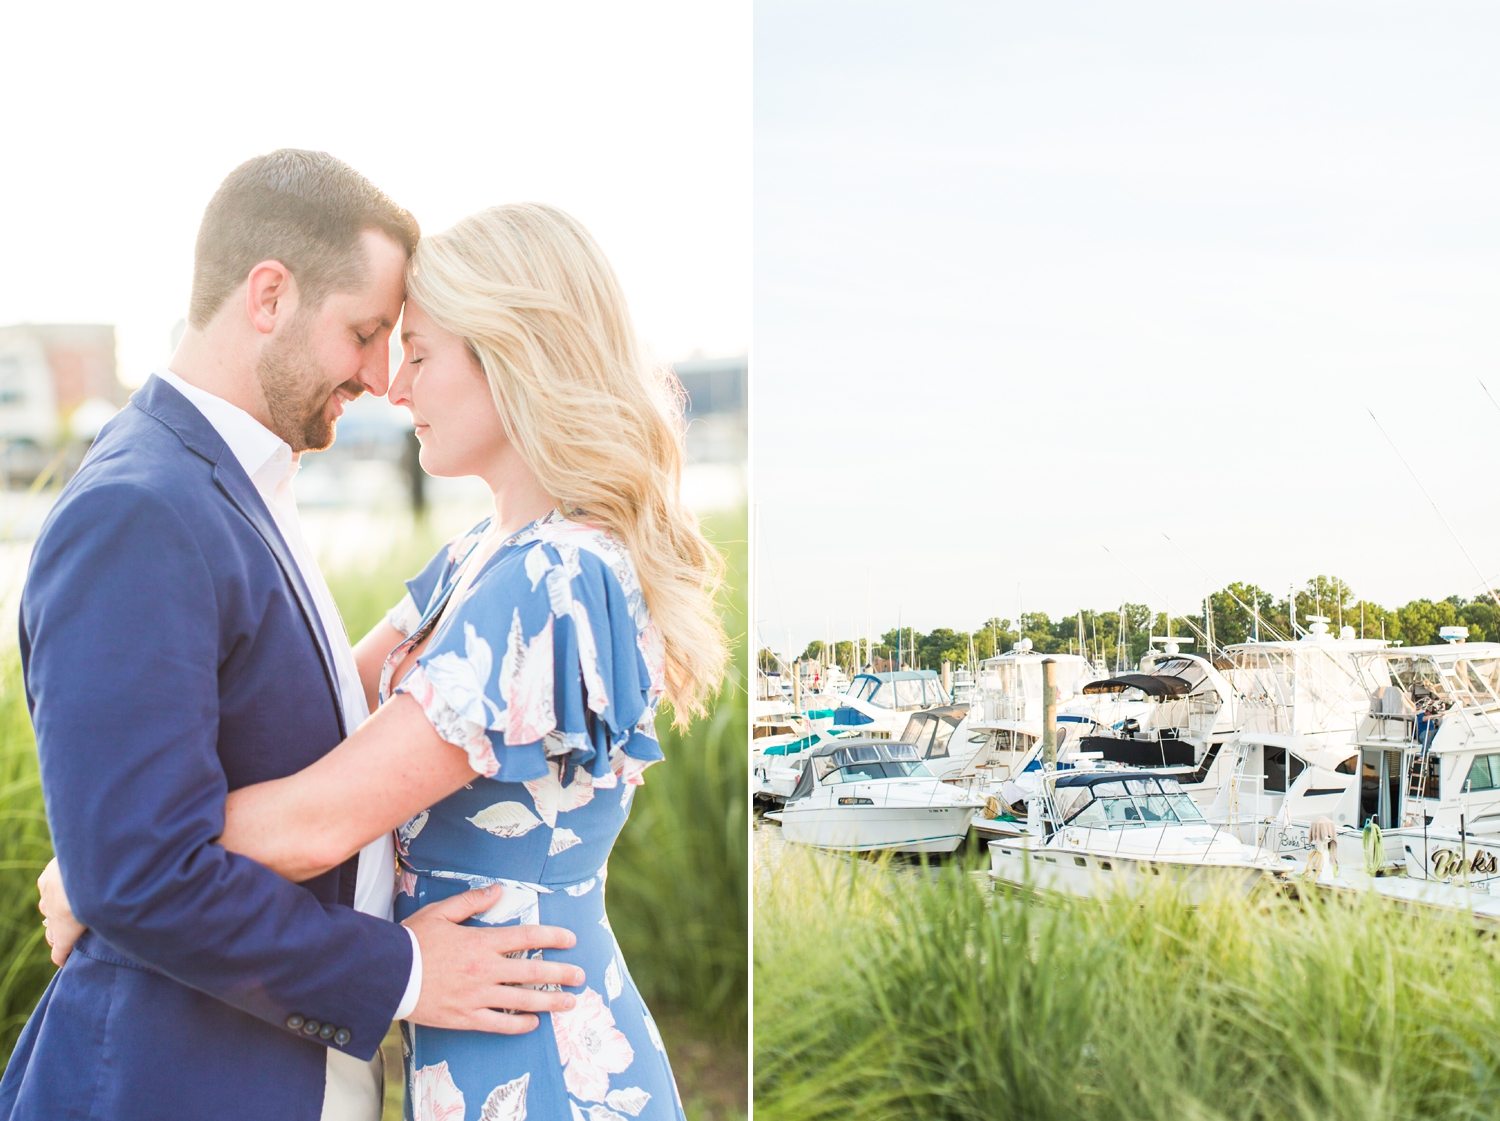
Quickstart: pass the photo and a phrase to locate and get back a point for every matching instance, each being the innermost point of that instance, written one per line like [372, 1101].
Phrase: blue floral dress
[547, 673]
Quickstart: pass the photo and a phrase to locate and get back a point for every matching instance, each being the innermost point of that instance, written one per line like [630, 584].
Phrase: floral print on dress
[434, 1095]
[508, 1102]
[590, 1047]
[547, 673]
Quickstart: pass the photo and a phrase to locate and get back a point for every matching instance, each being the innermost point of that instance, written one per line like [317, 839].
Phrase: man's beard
[296, 397]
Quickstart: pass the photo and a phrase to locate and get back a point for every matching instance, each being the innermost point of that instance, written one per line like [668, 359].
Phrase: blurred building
[718, 407]
[718, 444]
[58, 386]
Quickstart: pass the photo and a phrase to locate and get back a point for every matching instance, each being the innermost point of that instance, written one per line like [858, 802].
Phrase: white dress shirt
[354, 1089]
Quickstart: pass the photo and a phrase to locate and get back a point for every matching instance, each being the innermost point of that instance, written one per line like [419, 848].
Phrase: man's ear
[270, 295]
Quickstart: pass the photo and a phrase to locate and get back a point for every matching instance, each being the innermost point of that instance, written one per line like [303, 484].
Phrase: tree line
[1117, 637]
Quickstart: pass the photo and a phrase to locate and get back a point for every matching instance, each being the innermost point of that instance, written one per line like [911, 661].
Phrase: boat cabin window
[1128, 802]
[1482, 675]
[865, 687]
[1277, 779]
[863, 772]
[1484, 773]
[919, 731]
[1419, 677]
[940, 740]
[1349, 766]
[909, 694]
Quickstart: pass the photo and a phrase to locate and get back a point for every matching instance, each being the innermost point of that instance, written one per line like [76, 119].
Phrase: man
[178, 643]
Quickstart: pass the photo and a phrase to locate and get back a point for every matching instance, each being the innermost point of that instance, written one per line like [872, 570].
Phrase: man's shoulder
[137, 452]
[138, 464]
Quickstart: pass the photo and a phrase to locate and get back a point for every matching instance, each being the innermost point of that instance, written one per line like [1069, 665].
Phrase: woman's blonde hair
[540, 307]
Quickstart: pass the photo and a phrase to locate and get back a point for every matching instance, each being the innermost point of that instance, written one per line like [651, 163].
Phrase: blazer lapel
[160, 400]
[238, 488]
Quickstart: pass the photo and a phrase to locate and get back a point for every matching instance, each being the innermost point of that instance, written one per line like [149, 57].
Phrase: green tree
[943, 645]
[1417, 622]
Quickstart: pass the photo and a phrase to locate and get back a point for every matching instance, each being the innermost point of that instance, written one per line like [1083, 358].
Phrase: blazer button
[342, 1036]
[325, 1033]
[295, 1021]
[311, 1027]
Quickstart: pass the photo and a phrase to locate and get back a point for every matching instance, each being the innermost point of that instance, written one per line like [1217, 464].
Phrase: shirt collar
[253, 444]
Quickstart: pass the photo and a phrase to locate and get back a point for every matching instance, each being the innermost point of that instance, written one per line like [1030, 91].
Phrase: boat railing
[1002, 706]
[1263, 713]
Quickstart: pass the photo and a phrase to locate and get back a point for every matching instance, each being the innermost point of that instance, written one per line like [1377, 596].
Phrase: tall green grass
[677, 890]
[25, 848]
[679, 874]
[883, 995]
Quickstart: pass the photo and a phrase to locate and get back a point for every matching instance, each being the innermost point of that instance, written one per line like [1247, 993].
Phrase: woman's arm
[369, 656]
[393, 766]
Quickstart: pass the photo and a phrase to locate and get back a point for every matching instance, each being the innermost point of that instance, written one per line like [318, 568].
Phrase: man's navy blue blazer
[172, 654]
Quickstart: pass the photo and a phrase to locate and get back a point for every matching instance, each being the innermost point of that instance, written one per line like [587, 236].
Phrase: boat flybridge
[1091, 832]
[1299, 704]
[864, 795]
[1005, 719]
[1175, 715]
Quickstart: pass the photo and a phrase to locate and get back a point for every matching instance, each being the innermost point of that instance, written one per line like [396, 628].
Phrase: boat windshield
[862, 772]
[1152, 800]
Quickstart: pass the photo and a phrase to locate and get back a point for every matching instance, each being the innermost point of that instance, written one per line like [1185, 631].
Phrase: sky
[121, 121]
[1041, 287]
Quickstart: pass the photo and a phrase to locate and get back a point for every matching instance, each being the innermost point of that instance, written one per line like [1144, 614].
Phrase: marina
[1328, 762]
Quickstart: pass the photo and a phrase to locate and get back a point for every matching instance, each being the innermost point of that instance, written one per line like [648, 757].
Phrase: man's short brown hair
[304, 209]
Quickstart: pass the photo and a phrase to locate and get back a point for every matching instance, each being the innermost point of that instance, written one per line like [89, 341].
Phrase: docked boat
[1005, 719]
[867, 795]
[879, 704]
[773, 716]
[776, 766]
[1296, 763]
[1174, 715]
[1092, 832]
[1429, 753]
[942, 739]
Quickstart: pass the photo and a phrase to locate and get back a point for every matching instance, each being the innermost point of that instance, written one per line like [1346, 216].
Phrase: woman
[519, 678]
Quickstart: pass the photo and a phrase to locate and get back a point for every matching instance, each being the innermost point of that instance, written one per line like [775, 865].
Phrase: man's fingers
[535, 971]
[464, 905]
[513, 938]
[512, 998]
[502, 1023]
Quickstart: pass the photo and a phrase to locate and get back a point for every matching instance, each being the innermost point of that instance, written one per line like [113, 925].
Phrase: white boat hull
[1021, 862]
[930, 829]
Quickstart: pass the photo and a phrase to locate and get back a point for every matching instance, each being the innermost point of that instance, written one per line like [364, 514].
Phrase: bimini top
[903, 689]
[1157, 685]
[864, 751]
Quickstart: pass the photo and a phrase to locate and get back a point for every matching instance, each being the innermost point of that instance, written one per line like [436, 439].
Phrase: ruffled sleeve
[428, 586]
[549, 656]
[404, 617]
